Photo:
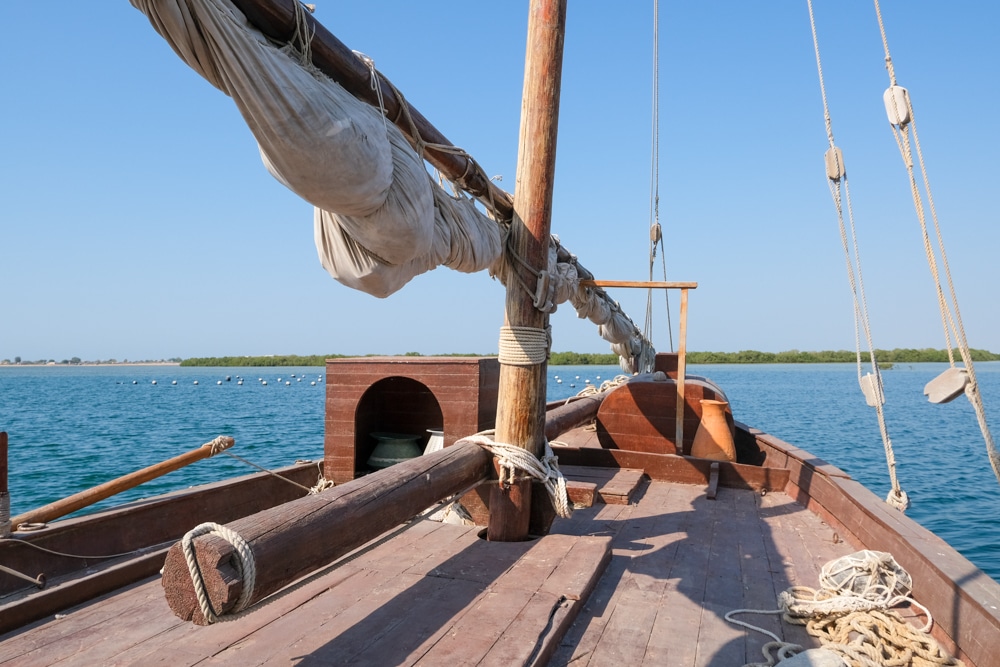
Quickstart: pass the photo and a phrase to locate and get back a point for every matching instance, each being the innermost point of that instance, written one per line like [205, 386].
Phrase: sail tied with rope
[380, 218]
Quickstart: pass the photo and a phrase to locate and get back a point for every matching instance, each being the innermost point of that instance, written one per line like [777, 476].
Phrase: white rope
[951, 318]
[607, 385]
[512, 459]
[245, 565]
[860, 586]
[524, 346]
[840, 191]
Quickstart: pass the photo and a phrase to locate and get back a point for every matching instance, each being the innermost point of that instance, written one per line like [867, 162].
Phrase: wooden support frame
[681, 342]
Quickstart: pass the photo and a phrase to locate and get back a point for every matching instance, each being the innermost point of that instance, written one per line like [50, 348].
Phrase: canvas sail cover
[380, 219]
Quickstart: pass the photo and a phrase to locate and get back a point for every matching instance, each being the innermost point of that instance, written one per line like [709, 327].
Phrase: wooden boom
[90, 496]
[291, 540]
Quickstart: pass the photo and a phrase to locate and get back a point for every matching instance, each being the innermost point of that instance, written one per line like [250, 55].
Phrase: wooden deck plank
[662, 524]
[577, 647]
[615, 486]
[74, 631]
[675, 636]
[757, 575]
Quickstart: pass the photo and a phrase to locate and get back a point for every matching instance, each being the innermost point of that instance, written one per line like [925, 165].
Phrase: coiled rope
[512, 459]
[245, 565]
[850, 615]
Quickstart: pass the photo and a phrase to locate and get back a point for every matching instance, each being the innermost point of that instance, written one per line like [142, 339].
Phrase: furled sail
[380, 218]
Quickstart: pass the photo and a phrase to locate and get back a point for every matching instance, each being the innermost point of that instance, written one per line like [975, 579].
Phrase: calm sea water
[73, 428]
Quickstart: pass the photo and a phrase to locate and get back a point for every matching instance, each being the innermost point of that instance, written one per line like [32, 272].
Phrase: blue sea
[73, 428]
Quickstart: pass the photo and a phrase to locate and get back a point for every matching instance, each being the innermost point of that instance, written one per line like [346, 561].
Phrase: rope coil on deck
[245, 566]
[850, 615]
[512, 458]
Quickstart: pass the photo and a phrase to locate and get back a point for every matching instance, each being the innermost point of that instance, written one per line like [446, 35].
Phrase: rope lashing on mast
[871, 383]
[899, 109]
[524, 346]
[513, 459]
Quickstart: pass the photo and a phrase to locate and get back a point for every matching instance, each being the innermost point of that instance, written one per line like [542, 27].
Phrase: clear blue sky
[137, 221]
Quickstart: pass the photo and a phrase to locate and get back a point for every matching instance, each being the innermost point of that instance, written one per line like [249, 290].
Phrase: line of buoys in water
[239, 381]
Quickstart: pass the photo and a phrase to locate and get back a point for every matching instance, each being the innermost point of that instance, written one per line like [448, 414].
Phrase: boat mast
[521, 403]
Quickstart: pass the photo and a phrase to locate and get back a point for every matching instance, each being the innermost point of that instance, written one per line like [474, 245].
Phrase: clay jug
[714, 439]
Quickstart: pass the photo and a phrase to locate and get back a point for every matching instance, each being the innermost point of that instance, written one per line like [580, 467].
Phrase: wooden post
[293, 539]
[681, 370]
[4, 495]
[90, 496]
[521, 409]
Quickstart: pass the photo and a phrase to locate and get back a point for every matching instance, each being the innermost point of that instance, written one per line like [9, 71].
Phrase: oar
[71, 504]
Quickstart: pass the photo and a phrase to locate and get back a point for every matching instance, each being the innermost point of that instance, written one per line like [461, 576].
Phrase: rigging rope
[655, 229]
[871, 384]
[511, 459]
[904, 128]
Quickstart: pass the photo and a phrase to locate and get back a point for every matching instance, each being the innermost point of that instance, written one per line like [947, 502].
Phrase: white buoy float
[154, 381]
[195, 382]
[174, 382]
[313, 384]
[218, 382]
[263, 382]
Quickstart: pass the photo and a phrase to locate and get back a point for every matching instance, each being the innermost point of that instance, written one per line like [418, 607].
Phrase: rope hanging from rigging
[899, 109]
[655, 229]
[871, 383]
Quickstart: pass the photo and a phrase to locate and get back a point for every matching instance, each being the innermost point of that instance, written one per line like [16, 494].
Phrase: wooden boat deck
[663, 571]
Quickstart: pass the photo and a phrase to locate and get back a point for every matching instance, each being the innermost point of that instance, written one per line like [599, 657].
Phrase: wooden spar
[681, 372]
[568, 416]
[3, 461]
[291, 540]
[4, 495]
[681, 344]
[521, 403]
[650, 284]
[276, 19]
[90, 496]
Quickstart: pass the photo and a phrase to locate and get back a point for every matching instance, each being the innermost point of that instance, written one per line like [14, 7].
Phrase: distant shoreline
[129, 364]
[886, 359]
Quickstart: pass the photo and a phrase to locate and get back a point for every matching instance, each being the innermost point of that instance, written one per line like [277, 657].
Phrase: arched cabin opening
[403, 395]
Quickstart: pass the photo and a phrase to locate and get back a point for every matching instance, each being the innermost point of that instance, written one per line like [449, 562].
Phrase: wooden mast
[521, 408]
